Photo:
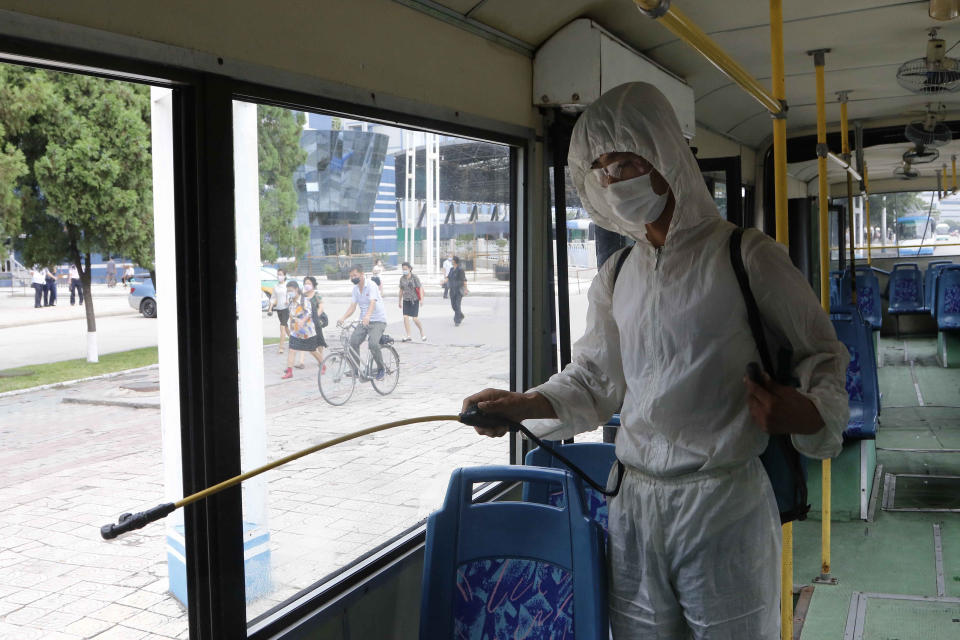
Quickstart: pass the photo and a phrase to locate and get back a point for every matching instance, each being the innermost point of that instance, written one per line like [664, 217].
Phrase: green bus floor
[895, 553]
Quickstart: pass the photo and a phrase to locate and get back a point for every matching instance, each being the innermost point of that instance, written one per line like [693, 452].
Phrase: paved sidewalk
[67, 469]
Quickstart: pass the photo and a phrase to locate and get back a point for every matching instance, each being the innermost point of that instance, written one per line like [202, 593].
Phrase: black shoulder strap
[753, 311]
[624, 254]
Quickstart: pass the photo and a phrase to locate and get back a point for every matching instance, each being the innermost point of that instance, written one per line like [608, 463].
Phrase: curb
[132, 404]
[67, 383]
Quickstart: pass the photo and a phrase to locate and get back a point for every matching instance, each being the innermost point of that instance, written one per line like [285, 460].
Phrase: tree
[87, 188]
[279, 154]
[12, 168]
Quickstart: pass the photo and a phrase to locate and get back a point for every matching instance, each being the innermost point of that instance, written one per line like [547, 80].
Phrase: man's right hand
[511, 405]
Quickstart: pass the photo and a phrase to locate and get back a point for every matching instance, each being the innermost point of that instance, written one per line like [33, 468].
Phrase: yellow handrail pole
[783, 237]
[866, 209]
[682, 27]
[823, 200]
[845, 144]
[953, 158]
[779, 124]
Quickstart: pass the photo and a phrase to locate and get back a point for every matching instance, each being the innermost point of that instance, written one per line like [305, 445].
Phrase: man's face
[620, 166]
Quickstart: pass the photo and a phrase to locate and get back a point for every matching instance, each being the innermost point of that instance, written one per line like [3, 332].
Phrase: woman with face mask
[304, 336]
[411, 295]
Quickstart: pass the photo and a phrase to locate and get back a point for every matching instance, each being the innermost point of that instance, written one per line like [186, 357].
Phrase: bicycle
[341, 369]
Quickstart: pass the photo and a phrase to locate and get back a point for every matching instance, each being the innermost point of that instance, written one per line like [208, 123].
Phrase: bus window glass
[902, 224]
[331, 200]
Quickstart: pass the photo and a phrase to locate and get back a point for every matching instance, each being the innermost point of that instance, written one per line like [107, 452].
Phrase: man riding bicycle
[373, 319]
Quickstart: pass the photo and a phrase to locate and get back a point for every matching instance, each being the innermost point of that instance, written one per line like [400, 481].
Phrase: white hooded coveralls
[694, 533]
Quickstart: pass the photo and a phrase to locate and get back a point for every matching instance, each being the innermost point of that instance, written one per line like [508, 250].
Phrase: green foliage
[279, 154]
[85, 144]
[12, 168]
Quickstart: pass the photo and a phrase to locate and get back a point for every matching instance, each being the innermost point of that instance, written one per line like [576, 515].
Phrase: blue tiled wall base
[507, 598]
[256, 564]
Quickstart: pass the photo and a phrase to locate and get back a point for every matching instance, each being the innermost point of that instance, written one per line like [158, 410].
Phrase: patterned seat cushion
[906, 293]
[509, 598]
[951, 299]
[854, 381]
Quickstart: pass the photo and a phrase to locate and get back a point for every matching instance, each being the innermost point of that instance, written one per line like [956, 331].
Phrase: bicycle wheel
[337, 378]
[391, 364]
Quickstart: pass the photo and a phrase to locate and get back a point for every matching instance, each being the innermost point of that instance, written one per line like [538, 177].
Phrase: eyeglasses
[612, 171]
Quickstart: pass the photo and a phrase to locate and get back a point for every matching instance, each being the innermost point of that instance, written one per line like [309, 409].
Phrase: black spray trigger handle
[475, 418]
[755, 373]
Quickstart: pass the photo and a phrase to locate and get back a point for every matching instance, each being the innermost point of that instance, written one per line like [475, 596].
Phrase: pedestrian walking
[411, 295]
[76, 288]
[375, 274]
[278, 303]
[38, 282]
[50, 287]
[457, 284]
[111, 273]
[447, 266]
[319, 317]
[303, 332]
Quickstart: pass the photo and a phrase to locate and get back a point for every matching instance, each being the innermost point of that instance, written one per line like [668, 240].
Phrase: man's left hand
[366, 321]
[779, 409]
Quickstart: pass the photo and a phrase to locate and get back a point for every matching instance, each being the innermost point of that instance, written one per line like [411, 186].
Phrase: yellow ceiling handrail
[682, 27]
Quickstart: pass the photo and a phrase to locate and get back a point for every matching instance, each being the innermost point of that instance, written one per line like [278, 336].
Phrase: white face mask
[308, 287]
[406, 272]
[634, 201]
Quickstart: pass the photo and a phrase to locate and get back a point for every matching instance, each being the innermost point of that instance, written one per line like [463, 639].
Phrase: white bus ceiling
[399, 48]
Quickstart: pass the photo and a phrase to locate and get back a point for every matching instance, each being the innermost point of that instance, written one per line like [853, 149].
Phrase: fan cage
[921, 156]
[905, 174]
[920, 136]
[922, 77]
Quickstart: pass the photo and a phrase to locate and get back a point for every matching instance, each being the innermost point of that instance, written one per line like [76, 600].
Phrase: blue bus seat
[906, 289]
[861, 383]
[513, 569]
[948, 298]
[595, 458]
[835, 297]
[868, 295]
[930, 283]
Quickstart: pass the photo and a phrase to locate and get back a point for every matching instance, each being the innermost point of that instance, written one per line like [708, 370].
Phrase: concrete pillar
[250, 353]
[161, 129]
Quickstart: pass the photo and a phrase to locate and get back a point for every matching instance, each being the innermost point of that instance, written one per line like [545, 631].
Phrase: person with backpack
[694, 531]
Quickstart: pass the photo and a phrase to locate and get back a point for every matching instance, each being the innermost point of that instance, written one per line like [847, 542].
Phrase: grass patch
[53, 372]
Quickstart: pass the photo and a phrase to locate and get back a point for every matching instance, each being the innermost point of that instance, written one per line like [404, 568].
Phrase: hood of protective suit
[636, 118]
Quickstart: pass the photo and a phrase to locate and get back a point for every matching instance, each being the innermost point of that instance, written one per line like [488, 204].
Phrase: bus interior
[827, 125]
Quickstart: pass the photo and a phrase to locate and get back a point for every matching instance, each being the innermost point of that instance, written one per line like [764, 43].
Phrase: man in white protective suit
[694, 546]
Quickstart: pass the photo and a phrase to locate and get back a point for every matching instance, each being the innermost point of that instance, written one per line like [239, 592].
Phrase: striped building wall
[383, 219]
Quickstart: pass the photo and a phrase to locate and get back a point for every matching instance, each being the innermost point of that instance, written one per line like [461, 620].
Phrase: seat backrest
[868, 294]
[948, 298]
[595, 458]
[906, 288]
[929, 282]
[861, 380]
[835, 295]
[513, 569]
